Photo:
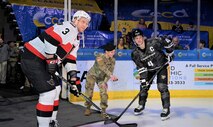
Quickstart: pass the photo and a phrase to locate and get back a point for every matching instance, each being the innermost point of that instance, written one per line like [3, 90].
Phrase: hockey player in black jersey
[149, 57]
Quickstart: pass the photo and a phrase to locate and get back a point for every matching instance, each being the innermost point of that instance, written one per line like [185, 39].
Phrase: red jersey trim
[53, 34]
[71, 57]
[34, 51]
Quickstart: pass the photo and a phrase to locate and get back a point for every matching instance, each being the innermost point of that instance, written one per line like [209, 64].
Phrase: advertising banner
[185, 55]
[188, 75]
[87, 5]
[186, 72]
[186, 38]
[167, 12]
[32, 19]
[120, 55]
[205, 55]
[88, 54]
[184, 75]
[96, 39]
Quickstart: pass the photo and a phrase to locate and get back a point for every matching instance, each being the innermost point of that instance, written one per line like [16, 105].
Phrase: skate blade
[138, 113]
[165, 118]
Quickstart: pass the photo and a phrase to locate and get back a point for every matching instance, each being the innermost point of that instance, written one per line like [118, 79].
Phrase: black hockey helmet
[136, 32]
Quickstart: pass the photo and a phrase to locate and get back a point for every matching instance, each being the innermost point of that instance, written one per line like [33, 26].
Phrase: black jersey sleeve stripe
[69, 61]
[48, 38]
[61, 52]
[41, 37]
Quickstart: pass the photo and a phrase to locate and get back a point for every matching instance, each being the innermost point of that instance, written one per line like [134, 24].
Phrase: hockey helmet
[136, 32]
[79, 14]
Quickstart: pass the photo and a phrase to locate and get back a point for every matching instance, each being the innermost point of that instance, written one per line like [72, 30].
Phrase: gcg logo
[38, 19]
[41, 19]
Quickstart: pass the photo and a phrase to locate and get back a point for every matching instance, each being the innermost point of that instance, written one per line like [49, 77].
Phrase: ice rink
[185, 112]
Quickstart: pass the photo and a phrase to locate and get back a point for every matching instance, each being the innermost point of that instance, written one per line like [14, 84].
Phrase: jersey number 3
[65, 31]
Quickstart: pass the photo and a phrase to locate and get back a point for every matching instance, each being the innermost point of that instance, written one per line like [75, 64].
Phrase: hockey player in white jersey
[40, 58]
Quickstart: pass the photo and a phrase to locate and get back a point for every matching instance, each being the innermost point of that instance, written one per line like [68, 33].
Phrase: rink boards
[187, 79]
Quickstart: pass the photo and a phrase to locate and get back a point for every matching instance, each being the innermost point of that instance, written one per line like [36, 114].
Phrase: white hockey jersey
[58, 39]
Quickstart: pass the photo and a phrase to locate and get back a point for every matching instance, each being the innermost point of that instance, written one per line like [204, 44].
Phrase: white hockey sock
[43, 122]
[45, 108]
[56, 103]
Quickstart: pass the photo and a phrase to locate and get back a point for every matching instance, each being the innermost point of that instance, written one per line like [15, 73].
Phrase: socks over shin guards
[56, 103]
[44, 108]
[55, 110]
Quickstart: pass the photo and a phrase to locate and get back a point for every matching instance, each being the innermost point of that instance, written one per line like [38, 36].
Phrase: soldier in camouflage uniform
[100, 73]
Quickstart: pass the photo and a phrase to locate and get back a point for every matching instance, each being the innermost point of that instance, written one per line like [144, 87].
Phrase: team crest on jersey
[51, 82]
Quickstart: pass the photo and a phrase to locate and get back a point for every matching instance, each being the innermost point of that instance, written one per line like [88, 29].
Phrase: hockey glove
[78, 84]
[166, 41]
[170, 57]
[75, 88]
[136, 74]
[52, 64]
[166, 38]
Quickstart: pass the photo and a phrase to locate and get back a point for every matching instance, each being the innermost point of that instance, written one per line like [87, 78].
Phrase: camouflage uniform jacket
[102, 68]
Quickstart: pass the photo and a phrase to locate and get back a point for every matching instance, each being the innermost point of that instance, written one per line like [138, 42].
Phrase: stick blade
[111, 120]
[128, 125]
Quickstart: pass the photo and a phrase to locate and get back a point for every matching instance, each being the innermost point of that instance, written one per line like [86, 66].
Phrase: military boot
[87, 111]
[104, 114]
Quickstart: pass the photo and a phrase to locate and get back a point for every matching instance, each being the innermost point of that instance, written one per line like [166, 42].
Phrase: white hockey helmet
[79, 14]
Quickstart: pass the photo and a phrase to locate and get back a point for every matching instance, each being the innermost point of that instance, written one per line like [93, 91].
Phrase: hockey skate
[165, 114]
[139, 110]
[54, 123]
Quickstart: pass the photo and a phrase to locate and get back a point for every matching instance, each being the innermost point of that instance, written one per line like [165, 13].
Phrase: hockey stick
[108, 121]
[67, 54]
[84, 96]
[60, 65]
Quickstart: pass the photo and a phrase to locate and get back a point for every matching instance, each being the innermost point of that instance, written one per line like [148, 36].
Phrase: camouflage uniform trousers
[89, 88]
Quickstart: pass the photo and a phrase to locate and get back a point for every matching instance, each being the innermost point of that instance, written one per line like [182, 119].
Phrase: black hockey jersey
[152, 57]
